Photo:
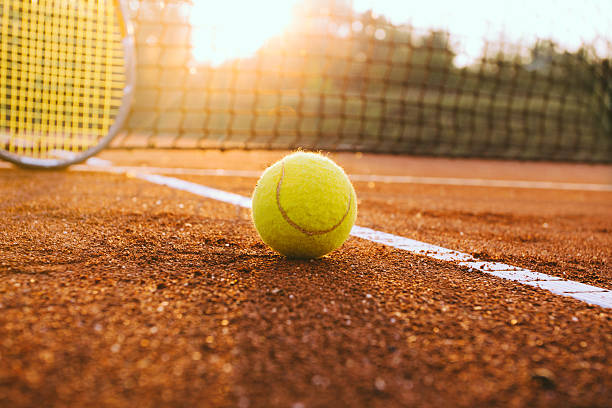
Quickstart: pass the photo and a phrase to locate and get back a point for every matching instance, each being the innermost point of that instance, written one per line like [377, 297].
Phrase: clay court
[477, 136]
[115, 291]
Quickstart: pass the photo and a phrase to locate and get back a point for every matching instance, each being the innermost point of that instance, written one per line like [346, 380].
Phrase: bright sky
[237, 28]
[226, 29]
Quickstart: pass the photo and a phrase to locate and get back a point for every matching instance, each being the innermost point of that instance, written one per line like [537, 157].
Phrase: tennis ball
[304, 206]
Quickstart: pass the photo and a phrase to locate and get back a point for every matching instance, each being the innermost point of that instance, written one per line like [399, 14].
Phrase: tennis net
[341, 79]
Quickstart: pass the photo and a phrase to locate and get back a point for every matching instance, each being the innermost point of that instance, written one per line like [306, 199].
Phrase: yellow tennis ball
[304, 206]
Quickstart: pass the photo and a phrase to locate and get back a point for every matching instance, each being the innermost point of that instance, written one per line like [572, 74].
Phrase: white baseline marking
[446, 181]
[577, 290]
[198, 189]
[95, 164]
[452, 181]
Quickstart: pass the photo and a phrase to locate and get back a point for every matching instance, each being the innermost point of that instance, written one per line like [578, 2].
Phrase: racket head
[66, 79]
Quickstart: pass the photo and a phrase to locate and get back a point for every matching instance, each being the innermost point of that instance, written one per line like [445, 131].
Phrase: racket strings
[61, 75]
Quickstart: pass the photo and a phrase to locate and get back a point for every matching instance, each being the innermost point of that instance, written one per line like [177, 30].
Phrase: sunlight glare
[230, 29]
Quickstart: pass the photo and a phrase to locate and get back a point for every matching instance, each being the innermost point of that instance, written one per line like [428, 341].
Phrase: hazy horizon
[219, 30]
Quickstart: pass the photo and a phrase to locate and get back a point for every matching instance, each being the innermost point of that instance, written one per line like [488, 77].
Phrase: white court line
[95, 164]
[198, 189]
[452, 181]
[586, 293]
[449, 181]
[577, 290]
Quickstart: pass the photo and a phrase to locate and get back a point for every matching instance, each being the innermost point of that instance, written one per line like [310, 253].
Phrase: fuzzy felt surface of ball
[304, 206]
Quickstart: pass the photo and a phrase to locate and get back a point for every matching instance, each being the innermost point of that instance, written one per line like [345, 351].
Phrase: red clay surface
[116, 292]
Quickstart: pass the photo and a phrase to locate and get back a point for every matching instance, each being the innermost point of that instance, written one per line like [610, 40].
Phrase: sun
[230, 29]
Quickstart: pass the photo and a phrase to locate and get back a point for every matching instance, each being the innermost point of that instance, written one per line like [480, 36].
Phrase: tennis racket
[66, 79]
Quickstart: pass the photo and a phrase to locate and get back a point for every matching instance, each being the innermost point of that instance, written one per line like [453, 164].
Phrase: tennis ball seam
[293, 223]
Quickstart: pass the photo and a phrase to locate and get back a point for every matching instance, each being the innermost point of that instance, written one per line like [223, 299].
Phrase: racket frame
[122, 114]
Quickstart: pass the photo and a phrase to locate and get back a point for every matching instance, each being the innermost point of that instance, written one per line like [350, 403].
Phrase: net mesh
[61, 75]
[337, 79]
[334, 79]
